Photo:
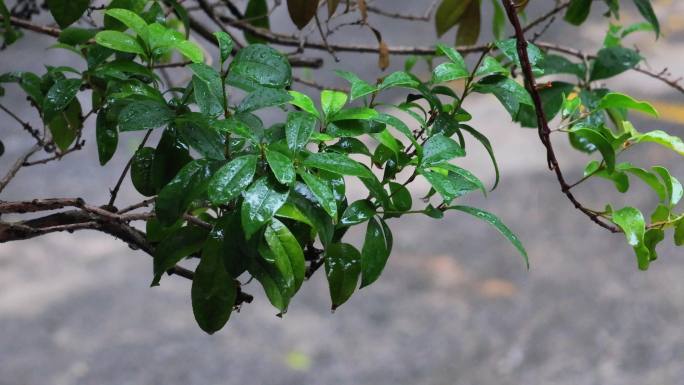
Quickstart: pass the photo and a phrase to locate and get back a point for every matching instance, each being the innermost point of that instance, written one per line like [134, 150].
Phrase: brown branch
[17, 165]
[542, 122]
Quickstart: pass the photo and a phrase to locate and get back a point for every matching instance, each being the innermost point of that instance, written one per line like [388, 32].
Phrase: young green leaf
[646, 10]
[225, 45]
[354, 113]
[447, 72]
[119, 41]
[448, 14]
[672, 185]
[130, 20]
[332, 101]
[662, 138]
[359, 87]
[304, 102]
[617, 100]
[632, 223]
[440, 148]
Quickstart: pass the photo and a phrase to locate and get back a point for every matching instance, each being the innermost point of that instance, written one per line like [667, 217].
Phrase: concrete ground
[454, 306]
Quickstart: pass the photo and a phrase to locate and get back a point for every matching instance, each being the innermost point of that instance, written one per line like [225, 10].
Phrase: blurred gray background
[454, 306]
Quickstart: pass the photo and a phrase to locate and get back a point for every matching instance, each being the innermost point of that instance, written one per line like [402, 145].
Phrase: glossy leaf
[357, 212]
[632, 223]
[376, 250]
[225, 44]
[359, 87]
[354, 113]
[298, 129]
[59, 96]
[601, 143]
[119, 41]
[281, 166]
[144, 115]
[190, 184]
[231, 179]
[208, 89]
[498, 224]
[488, 147]
[613, 61]
[447, 72]
[617, 100]
[304, 102]
[509, 92]
[129, 19]
[285, 247]
[196, 131]
[213, 290]
[322, 192]
[261, 201]
[338, 164]
[263, 97]
[662, 138]
[343, 268]
[66, 124]
[440, 148]
[179, 244]
[672, 185]
[262, 65]
[332, 101]
[141, 171]
[450, 186]
[646, 10]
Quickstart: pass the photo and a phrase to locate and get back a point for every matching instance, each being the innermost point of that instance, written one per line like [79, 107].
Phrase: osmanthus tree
[268, 202]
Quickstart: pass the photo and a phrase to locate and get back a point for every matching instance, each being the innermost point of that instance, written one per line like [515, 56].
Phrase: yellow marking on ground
[670, 112]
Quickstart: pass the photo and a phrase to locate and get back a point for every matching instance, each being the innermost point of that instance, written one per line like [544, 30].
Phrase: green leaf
[488, 146]
[169, 158]
[213, 290]
[377, 247]
[75, 36]
[304, 102]
[256, 15]
[332, 102]
[285, 247]
[262, 65]
[649, 178]
[401, 197]
[119, 41]
[359, 87]
[357, 212]
[354, 113]
[190, 50]
[268, 270]
[662, 138]
[453, 55]
[144, 115]
[617, 100]
[342, 267]
[208, 89]
[440, 148]
[672, 185]
[399, 79]
[469, 25]
[130, 20]
[231, 179]
[632, 223]
[263, 97]
[196, 131]
[225, 44]
[298, 129]
[261, 201]
[66, 125]
[500, 226]
[281, 165]
[66, 13]
[337, 163]
[578, 11]
[448, 14]
[646, 10]
[190, 184]
[613, 61]
[322, 192]
[552, 98]
[302, 11]
[509, 92]
[179, 244]
[556, 64]
[447, 72]
[498, 20]
[59, 96]
[509, 48]
[651, 240]
[491, 66]
[141, 171]
[449, 185]
[600, 142]
[679, 233]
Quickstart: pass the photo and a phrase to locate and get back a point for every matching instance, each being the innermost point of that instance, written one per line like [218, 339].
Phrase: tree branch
[542, 122]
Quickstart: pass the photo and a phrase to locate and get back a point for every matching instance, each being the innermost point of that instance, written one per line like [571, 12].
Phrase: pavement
[454, 306]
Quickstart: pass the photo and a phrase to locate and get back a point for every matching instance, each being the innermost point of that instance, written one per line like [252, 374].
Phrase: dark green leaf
[231, 179]
[141, 171]
[646, 10]
[75, 35]
[578, 11]
[601, 143]
[190, 184]
[449, 13]
[213, 290]
[256, 14]
[357, 212]
[263, 97]
[169, 157]
[679, 233]
[509, 92]
[66, 124]
[176, 246]
[196, 131]
[377, 247]
[208, 89]
[298, 129]
[225, 44]
[449, 185]
[66, 12]
[144, 115]
[59, 96]
[613, 61]
[261, 201]
[342, 267]
[338, 164]
[262, 65]
[488, 146]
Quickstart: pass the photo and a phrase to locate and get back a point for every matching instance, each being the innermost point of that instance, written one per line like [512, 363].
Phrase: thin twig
[18, 165]
[113, 192]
